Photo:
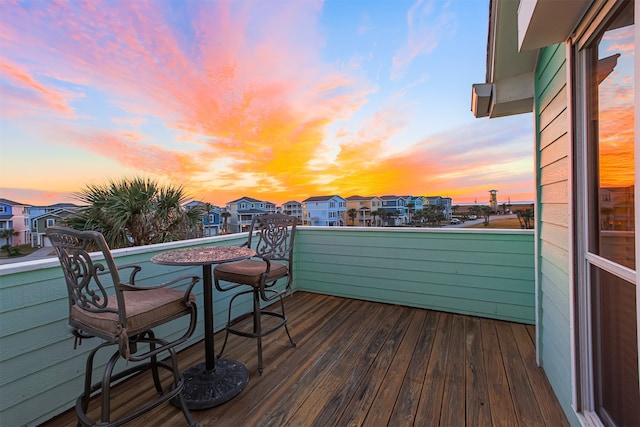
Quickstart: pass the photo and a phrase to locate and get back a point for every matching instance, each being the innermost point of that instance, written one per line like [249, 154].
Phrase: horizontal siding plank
[557, 171]
[554, 130]
[558, 149]
[557, 192]
[552, 111]
[555, 234]
[555, 213]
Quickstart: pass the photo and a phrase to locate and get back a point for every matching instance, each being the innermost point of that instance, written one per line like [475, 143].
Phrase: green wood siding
[480, 273]
[553, 218]
[40, 373]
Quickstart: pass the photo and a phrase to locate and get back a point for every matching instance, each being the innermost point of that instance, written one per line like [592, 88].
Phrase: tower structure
[493, 200]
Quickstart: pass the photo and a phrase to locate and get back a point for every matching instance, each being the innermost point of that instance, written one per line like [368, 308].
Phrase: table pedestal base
[205, 389]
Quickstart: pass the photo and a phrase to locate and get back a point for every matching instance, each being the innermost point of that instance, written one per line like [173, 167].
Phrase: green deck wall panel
[469, 272]
[40, 372]
[480, 273]
[552, 222]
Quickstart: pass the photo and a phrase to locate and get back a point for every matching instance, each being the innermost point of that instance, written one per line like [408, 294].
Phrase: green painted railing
[478, 272]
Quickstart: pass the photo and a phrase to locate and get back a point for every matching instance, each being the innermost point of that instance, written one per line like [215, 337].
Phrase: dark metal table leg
[213, 382]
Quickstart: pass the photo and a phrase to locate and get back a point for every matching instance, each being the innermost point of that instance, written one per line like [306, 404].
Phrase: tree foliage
[353, 213]
[526, 217]
[135, 212]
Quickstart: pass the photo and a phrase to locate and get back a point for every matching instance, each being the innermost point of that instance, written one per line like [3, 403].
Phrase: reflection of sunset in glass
[276, 100]
[616, 111]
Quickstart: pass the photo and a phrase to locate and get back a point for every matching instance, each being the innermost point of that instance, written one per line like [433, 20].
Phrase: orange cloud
[25, 94]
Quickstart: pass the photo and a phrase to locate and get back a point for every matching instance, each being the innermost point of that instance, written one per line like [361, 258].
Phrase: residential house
[324, 211]
[211, 217]
[243, 210]
[445, 202]
[396, 210]
[293, 208]
[413, 204]
[35, 211]
[270, 207]
[14, 216]
[365, 207]
[50, 218]
[575, 66]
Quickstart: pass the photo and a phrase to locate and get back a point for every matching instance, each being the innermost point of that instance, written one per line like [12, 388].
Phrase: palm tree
[224, 216]
[486, 212]
[7, 234]
[381, 213]
[353, 213]
[525, 217]
[374, 214]
[136, 212]
[207, 208]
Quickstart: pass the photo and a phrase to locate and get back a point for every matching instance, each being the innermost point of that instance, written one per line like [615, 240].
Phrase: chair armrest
[136, 269]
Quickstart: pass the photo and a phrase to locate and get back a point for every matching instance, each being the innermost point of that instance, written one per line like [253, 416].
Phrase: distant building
[211, 217]
[324, 211]
[293, 208]
[396, 210]
[50, 218]
[14, 216]
[243, 210]
[445, 202]
[365, 207]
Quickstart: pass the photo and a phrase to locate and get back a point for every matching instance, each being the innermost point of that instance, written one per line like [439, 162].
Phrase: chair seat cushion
[249, 271]
[145, 310]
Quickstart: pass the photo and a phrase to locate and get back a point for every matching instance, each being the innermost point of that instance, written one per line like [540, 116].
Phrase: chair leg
[257, 327]
[286, 328]
[178, 381]
[88, 380]
[106, 388]
[154, 364]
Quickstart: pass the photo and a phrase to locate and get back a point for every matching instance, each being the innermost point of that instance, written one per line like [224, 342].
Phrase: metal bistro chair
[274, 234]
[124, 319]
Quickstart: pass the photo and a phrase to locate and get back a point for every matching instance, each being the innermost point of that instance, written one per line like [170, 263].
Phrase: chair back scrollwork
[274, 234]
[81, 272]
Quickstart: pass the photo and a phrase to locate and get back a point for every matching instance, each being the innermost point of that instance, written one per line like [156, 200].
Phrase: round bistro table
[211, 382]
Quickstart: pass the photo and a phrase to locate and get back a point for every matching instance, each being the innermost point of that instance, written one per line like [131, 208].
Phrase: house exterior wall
[16, 217]
[553, 171]
[243, 210]
[325, 211]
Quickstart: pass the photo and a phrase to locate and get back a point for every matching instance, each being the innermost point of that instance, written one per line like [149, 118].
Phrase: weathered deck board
[360, 363]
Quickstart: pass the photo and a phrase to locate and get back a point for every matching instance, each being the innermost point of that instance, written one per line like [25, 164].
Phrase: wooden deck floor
[368, 364]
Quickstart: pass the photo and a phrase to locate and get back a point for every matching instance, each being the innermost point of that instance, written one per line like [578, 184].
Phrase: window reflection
[614, 92]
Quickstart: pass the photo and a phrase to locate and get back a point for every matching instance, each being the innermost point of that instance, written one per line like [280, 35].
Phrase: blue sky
[277, 100]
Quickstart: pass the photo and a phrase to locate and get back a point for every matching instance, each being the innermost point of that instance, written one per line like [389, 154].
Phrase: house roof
[321, 198]
[247, 199]
[11, 202]
[64, 212]
[517, 29]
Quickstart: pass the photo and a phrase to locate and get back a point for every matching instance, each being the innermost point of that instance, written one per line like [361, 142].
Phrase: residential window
[50, 222]
[607, 353]
[332, 204]
[3, 209]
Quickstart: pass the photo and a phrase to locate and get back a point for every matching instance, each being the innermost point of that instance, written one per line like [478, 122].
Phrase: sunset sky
[276, 100]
